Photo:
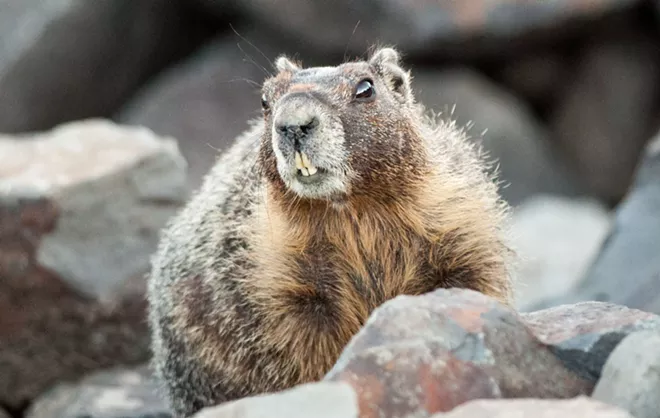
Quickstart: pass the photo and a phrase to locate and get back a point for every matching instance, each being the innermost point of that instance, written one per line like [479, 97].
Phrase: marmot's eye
[364, 90]
[264, 102]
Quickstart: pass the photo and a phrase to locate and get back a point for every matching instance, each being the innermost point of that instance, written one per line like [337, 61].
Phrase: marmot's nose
[296, 133]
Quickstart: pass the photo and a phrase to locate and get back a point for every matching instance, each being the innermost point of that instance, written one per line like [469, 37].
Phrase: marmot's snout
[295, 127]
[308, 144]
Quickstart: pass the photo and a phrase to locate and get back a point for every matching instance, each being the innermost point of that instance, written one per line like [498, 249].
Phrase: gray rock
[606, 116]
[627, 269]
[583, 335]
[579, 407]
[421, 27]
[114, 188]
[81, 208]
[207, 100]
[114, 393]
[318, 400]
[4, 414]
[518, 142]
[631, 376]
[62, 60]
[556, 239]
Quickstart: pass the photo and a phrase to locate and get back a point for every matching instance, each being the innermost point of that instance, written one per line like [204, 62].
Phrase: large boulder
[419, 355]
[81, 208]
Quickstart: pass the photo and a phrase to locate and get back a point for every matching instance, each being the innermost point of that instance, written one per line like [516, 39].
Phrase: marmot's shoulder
[190, 241]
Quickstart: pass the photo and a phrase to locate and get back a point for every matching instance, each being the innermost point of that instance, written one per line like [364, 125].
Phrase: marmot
[344, 194]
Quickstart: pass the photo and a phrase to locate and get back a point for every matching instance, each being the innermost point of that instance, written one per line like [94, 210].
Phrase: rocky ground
[112, 110]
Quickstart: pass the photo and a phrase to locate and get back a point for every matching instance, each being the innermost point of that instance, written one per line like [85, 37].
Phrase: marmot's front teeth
[304, 165]
[305, 160]
[299, 163]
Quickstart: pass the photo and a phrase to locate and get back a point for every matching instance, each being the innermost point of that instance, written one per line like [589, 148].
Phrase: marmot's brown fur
[344, 195]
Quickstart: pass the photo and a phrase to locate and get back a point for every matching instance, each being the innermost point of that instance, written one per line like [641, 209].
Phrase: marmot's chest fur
[370, 256]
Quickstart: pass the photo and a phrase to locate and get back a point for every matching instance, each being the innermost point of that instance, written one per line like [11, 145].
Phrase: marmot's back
[343, 196]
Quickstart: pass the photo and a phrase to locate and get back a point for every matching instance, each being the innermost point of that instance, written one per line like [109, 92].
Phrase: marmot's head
[336, 132]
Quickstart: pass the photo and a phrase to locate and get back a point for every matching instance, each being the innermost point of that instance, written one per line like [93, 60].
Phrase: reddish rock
[416, 376]
[80, 212]
[583, 335]
[580, 407]
[430, 353]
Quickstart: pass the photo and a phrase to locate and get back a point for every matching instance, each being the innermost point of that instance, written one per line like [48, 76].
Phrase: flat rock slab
[631, 376]
[419, 355]
[117, 393]
[584, 334]
[318, 400]
[580, 407]
[81, 208]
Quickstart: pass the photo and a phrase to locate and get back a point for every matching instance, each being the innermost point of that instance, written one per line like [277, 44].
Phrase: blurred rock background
[565, 94]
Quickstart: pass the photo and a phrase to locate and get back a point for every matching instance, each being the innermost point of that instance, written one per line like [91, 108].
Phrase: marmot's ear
[386, 63]
[384, 56]
[282, 63]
